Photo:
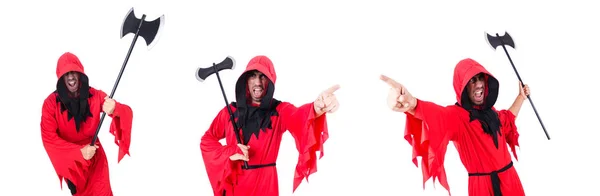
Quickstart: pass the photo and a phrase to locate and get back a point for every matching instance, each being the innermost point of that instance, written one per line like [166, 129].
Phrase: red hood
[68, 62]
[264, 65]
[463, 72]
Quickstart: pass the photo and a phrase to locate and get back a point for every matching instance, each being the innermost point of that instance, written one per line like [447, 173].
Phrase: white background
[314, 45]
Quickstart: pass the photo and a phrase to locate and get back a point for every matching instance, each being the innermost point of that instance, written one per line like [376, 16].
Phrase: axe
[498, 40]
[203, 73]
[148, 30]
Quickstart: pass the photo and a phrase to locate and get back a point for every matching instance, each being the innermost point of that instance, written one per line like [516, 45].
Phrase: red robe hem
[417, 134]
[122, 131]
[317, 131]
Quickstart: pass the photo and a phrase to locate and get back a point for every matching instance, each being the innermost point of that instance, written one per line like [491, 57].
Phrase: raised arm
[523, 93]
[508, 117]
[429, 128]
[66, 157]
[308, 125]
[122, 120]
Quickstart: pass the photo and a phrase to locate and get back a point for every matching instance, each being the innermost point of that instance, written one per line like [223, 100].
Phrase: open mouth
[257, 91]
[479, 95]
[72, 83]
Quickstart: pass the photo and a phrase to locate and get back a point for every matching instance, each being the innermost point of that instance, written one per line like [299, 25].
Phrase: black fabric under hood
[77, 107]
[252, 119]
[490, 122]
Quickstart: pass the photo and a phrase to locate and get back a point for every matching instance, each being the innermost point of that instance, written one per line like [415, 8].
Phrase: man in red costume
[480, 132]
[70, 117]
[263, 120]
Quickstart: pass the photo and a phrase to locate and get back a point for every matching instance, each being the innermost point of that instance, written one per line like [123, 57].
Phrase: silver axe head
[203, 73]
[148, 30]
[495, 41]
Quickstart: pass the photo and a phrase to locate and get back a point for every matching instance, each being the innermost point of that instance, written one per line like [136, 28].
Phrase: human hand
[88, 151]
[238, 156]
[523, 91]
[327, 102]
[109, 105]
[399, 99]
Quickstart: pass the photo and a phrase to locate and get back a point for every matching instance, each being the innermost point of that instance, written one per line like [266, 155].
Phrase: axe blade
[495, 41]
[130, 23]
[148, 30]
[203, 73]
[151, 31]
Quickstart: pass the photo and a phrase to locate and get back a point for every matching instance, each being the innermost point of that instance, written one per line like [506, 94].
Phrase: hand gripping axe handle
[506, 39]
[203, 73]
[148, 30]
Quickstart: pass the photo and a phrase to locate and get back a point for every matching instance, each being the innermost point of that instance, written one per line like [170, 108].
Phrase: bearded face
[72, 83]
[257, 85]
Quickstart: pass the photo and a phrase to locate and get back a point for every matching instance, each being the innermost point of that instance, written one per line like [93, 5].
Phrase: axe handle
[520, 80]
[538, 117]
[112, 93]
[231, 117]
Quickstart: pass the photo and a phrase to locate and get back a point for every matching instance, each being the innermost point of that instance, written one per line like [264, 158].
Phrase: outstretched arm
[507, 119]
[120, 127]
[429, 128]
[308, 126]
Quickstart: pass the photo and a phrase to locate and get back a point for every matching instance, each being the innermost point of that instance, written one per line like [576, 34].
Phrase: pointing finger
[390, 82]
[332, 89]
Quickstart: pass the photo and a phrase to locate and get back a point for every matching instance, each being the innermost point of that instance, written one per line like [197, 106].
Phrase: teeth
[72, 83]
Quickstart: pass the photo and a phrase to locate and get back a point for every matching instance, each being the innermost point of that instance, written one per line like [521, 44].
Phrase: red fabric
[309, 134]
[63, 143]
[433, 126]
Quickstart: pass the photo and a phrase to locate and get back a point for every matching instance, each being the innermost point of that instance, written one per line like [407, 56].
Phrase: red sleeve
[65, 156]
[309, 133]
[509, 130]
[429, 131]
[120, 127]
[220, 169]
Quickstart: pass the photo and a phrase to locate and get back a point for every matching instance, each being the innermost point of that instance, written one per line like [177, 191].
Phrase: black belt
[254, 167]
[494, 177]
[258, 166]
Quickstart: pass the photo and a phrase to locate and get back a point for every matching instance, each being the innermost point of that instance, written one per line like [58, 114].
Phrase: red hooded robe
[63, 142]
[309, 133]
[432, 127]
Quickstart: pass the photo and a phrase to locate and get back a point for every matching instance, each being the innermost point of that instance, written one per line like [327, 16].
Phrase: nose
[479, 84]
[256, 81]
